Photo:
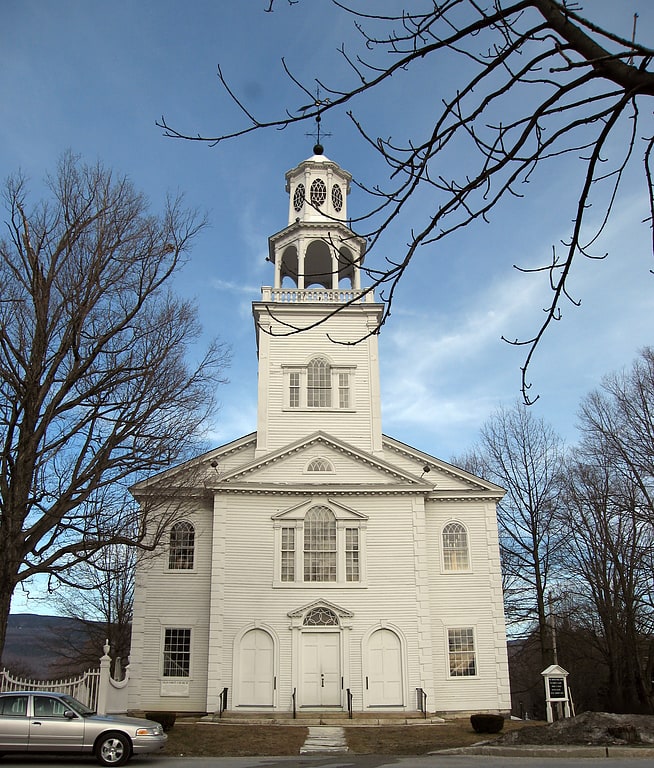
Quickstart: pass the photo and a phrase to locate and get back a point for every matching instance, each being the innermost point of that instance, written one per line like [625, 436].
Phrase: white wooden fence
[95, 687]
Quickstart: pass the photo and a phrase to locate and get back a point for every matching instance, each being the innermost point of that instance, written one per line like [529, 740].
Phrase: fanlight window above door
[321, 617]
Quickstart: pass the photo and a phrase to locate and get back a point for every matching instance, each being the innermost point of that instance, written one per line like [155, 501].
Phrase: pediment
[298, 511]
[318, 463]
[321, 461]
[315, 605]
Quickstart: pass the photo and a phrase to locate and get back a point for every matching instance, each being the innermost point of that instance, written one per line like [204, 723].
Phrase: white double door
[321, 669]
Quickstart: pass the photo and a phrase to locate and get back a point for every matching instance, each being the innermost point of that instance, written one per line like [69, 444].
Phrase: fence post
[103, 685]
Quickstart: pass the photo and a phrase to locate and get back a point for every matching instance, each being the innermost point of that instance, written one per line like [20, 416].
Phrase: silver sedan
[39, 721]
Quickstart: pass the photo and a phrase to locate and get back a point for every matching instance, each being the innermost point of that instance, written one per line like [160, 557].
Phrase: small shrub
[167, 719]
[486, 723]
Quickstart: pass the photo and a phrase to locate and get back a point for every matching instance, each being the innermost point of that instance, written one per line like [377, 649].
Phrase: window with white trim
[319, 465]
[320, 552]
[351, 554]
[456, 556]
[343, 390]
[461, 651]
[319, 385]
[288, 554]
[177, 652]
[316, 543]
[294, 390]
[181, 552]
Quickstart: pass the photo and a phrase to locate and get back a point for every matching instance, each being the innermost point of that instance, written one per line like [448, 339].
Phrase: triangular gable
[299, 613]
[355, 467]
[298, 511]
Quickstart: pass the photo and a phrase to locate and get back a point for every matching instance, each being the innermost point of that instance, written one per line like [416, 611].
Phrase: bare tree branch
[532, 81]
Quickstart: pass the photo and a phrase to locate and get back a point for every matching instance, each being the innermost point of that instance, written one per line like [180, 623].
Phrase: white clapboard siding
[166, 598]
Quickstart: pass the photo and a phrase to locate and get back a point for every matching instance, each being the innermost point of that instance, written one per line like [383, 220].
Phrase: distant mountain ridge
[33, 643]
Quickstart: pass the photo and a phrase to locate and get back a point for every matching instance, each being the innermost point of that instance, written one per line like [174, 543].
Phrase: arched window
[320, 545]
[182, 546]
[455, 548]
[319, 465]
[321, 617]
[316, 543]
[319, 384]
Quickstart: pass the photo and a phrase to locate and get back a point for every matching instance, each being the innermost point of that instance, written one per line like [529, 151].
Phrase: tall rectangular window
[343, 390]
[177, 653]
[351, 554]
[294, 390]
[461, 644]
[288, 554]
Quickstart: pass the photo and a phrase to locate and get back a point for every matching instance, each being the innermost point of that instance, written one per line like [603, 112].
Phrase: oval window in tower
[298, 197]
[337, 198]
[318, 192]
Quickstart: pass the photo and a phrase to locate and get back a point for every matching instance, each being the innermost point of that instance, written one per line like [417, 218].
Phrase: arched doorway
[256, 669]
[384, 670]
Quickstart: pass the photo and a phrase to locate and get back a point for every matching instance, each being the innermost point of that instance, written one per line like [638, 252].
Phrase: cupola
[318, 189]
[317, 248]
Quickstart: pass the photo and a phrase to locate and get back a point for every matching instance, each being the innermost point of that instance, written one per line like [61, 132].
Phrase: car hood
[134, 722]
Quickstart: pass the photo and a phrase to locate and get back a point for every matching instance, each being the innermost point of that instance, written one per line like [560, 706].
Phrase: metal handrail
[349, 703]
[223, 702]
[293, 699]
[422, 701]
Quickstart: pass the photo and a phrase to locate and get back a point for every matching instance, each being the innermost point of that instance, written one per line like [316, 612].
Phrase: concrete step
[339, 719]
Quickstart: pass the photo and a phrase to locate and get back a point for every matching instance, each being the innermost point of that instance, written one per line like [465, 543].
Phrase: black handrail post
[223, 702]
[294, 711]
[422, 701]
[349, 703]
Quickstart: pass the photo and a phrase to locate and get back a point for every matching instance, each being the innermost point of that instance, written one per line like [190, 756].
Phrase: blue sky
[94, 77]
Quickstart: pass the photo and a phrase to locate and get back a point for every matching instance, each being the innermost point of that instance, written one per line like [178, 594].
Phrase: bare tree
[609, 505]
[99, 593]
[524, 455]
[618, 420]
[95, 387]
[528, 82]
[609, 568]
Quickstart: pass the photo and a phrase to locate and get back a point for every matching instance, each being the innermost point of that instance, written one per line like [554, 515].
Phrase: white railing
[95, 687]
[84, 688]
[315, 295]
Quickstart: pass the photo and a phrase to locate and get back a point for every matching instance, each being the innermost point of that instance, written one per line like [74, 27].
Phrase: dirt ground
[596, 728]
[201, 739]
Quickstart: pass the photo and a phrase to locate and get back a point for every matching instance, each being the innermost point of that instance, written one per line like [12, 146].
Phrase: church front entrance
[321, 669]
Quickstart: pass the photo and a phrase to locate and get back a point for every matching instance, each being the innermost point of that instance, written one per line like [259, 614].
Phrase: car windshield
[76, 706]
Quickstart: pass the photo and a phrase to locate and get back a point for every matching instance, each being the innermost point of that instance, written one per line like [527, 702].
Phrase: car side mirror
[69, 714]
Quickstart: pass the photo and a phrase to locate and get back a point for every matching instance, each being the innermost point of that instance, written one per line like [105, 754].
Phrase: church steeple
[317, 247]
[316, 340]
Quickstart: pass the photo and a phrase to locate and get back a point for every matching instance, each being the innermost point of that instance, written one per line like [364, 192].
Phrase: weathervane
[318, 104]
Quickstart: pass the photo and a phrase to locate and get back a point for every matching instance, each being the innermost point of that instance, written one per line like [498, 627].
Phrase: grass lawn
[199, 739]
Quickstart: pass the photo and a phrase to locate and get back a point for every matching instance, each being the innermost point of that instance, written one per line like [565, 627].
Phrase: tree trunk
[7, 586]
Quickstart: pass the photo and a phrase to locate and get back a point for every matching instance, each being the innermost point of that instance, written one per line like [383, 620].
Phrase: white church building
[317, 564]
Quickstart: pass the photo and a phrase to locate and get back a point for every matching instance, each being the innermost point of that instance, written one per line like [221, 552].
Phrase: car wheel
[113, 749]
